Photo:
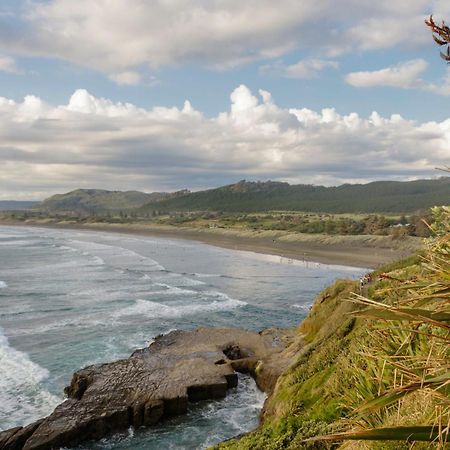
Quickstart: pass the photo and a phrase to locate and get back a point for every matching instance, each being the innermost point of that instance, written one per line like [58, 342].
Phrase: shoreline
[353, 251]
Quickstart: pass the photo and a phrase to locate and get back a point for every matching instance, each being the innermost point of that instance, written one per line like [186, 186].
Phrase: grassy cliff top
[369, 361]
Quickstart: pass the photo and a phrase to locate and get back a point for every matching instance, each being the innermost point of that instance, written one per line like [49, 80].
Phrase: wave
[208, 302]
[56, 267]
[176, 279]
[304, 307]
[159, 310]
[97, 261]
[3, 285]
[107, 318]
[66, 248]
[111, 252]
[244, 403]
[211, 275]
[4, 236]
[16, 242]
[172, 290]
[80, 322]
[22, 396]
[188, 282]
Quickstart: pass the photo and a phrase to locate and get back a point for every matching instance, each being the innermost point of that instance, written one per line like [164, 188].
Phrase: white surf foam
[237, 413]
[4, 235]
[85, 321]
[3, 285]
[66, 248]
[22, 396]
[16, 243]
[114, 254]
[183, 281]
[304, 307]
[172, 290]
[160, 310]
[176, 279]
[97, 261]
[220, 296]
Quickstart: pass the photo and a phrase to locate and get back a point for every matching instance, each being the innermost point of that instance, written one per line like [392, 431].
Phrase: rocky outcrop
[153, 383]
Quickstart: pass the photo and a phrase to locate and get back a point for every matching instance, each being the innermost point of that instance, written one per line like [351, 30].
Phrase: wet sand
[357, 251]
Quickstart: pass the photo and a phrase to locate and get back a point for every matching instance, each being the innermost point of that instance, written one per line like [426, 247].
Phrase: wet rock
[233, 352]
[15, 438]
[153, 383]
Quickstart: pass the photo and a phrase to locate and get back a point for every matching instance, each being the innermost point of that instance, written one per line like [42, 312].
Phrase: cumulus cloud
[95, 142]
[117, 37]
[304, 69]
[405, 75]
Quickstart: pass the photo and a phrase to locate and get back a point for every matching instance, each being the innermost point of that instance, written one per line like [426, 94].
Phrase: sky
[163, 95]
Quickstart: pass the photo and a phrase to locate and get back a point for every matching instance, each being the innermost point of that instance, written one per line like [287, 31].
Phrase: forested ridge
[375, 197]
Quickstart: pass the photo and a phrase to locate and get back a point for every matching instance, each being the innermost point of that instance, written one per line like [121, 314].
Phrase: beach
[352, 250]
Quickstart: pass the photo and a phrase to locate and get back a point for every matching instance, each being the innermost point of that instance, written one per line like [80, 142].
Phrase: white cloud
[94, 142]
[118, 37]
[127, 78]
[304, 69]
[404, 28]
[309, 68]
[8, 64]
[405, 75]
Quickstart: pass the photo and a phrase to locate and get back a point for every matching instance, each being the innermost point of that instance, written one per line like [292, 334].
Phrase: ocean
[71, 298]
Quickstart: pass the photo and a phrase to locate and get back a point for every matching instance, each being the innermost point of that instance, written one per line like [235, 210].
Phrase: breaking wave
[22, 396]
[160, 310]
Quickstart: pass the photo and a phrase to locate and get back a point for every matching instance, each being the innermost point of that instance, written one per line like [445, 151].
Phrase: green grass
[383, 379]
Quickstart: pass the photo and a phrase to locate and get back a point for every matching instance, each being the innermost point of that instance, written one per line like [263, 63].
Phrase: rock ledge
[153, 383]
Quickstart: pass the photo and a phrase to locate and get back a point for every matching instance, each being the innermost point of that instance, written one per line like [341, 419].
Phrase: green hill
[245, 196]
[90, 201]
[376, 197]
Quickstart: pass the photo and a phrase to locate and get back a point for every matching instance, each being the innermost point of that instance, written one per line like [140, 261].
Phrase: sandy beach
[358, 251]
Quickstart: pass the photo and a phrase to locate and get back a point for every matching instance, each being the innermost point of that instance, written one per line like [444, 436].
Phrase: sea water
[72, 298]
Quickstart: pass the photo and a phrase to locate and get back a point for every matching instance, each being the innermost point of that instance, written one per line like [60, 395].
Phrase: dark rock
[5, 436]
[233, 352]
[77, 386]
[17, 439]
[154, 382]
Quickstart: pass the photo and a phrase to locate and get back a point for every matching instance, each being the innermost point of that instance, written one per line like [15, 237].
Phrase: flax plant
[402, 370]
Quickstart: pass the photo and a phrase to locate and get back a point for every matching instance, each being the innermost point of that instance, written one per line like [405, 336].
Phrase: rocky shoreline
[154, 383]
